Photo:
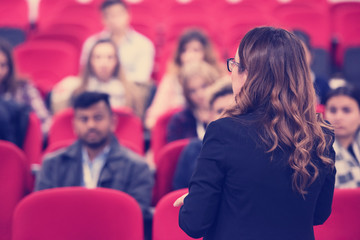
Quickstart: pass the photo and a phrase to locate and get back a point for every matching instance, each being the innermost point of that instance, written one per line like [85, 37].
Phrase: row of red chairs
[16, 181]
[225, 23]
[74, 213]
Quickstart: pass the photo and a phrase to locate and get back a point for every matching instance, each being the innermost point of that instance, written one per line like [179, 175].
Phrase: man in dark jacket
[97, 159]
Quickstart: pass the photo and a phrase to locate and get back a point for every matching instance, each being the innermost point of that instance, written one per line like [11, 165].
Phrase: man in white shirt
[135, 50]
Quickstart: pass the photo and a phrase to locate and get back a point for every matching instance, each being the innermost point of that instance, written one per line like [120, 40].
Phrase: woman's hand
[180, 201]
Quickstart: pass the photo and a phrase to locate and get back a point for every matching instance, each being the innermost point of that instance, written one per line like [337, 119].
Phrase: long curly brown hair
[278, 81]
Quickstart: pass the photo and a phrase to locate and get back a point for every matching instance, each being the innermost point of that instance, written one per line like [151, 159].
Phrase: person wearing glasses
[266, 169]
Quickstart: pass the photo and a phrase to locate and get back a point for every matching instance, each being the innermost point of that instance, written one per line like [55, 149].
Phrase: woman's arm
[200, 207]
[324, 202]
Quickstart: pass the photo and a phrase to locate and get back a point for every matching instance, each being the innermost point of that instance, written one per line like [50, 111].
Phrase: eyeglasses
[230, 62]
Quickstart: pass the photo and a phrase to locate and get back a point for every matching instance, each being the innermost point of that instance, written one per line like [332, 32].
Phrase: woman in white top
[343, 112]
[102, 73]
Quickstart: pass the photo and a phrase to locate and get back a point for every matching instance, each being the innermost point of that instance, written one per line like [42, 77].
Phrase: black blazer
[237, 192]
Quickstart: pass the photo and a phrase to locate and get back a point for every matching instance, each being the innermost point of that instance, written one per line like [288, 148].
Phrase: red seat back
[46, 62]
[166, 166]
[14, 180]
[14, 14]
[344, 220]
[159, 131]
[166, 218]
[33, 140]
[345, 22]
[78, 213]
[128, 130]
[310, 18]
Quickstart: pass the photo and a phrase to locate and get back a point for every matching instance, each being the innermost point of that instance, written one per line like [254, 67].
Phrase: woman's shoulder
[241, 121]
[231, 126]
[68, 83]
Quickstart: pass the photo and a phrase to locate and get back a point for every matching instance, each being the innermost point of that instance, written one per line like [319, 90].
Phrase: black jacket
[237, 192]
[124, 170]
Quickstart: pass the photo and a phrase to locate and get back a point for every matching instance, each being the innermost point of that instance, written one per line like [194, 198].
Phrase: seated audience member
[14, 119]
[193, 46]
[320, 84]
[136, 52]
[221, 96]
[102, 73]
[343, 112]
[191, 122]
[18, 90]
[97, 159]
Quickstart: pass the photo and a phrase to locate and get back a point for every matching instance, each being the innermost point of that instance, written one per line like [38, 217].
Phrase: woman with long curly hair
[266, 169]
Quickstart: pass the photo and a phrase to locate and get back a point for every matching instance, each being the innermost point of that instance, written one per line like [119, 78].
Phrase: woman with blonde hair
[193, 47]
[191, 121]
[102, 73]
[266, 169]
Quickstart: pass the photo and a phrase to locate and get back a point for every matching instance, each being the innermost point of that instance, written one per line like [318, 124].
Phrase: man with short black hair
[97, 159]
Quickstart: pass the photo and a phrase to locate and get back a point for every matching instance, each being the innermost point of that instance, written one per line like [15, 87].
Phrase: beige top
[63, 91]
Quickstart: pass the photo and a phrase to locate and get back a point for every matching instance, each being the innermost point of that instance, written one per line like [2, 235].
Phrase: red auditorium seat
[344, 220]
[166, 218]
[128, 130]
[46, 62]
[345, 22]
[72, 33]
[69, 11]
[236, 20]
[180, 16]
[159, 131]
[165, 168]
[310, 18]
[14, 184]
[14, 14]
[146, 17]
[75, 213]
[33, 140]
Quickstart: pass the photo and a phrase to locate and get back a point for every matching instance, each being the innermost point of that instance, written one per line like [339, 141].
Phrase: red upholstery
[46, 62]
[344, 220]
[310, 18]
[248, 14]
[75, 213]
[166, 218]
[48, 10]
[146, 16]
[14, 180]
[128, 129]
[33, 140]
[69, 11]
[166, 165]
[73, 33]
[345, 20]
[158, 132]
[14, 14]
